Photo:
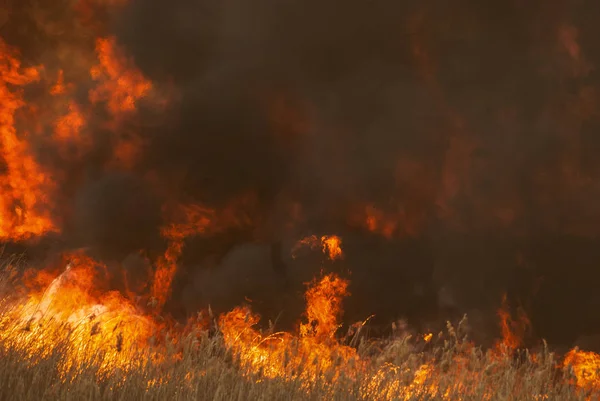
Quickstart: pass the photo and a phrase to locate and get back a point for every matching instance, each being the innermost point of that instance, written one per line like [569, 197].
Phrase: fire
[94, 326]
[192, 219]
[331, 245]
[376, 221]
[120, 85]
[24, 208]
[68, 127]
[165, 270]
[513, 331]
[586, 368]
[196, 220]
[78, 317]
[307, 355]
[103, 327]
[59, 88]
[324, 307]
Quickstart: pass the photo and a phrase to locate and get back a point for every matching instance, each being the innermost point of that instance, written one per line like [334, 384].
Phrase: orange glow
[110, 331]
[196, 220]
[331, 245]
[105, 327]
[324, 306]
[315, 348]
[120, 84]
[94, 324]
[380, 223]
[25, 186]
[68, 127]
[513, 331]
[166, 267]
[191, 220]
[59, 88]
[586, 368]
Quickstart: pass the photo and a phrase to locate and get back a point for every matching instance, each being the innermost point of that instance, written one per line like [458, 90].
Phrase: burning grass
[70, 341]
[69, 335]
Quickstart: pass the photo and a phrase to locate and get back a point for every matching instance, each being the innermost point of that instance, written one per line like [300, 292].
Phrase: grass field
[102, 353]
[207, 370]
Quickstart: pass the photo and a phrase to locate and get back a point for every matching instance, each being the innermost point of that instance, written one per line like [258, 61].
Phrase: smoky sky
[486, 98]
[474, 124]
[477, 117]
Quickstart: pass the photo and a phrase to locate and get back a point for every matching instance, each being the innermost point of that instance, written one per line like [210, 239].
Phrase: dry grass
[199, 366]
[202, 368]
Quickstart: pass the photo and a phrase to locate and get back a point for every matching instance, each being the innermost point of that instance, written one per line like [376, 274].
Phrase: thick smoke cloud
[471, 124]
[475, 119]
[118, 214]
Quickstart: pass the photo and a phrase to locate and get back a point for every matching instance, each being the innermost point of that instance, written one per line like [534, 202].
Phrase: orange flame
[586, 368]
[316, 349]
[120, 84]
[68, 127]
[192, 220]
[331, 245]
[25, 187]
[323, 301]
[513, 331]
[104, 327]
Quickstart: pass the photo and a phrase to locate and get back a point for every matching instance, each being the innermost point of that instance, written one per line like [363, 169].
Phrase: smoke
[451, 146]
[117, 215]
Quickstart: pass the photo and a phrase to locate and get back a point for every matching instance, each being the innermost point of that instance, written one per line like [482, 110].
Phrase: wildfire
[378, 222]
[306, 356]
[192, 219]
[25, 186]
[586, 368]
[196, 220]
[93, 326]
[513, 331]
[331, 245]
[121, 85]
[100, 328]
[78, 318]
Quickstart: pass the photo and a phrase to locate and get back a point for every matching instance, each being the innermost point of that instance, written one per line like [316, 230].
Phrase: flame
[91, 324]
[59, 88]
[378, 222]
[68, 127]
[196, 220]
[314, 353]
[586, 368]
[513, 331]
[120, 84]
[24, 208]
[313, 350]
[331, 245]
[324, 307]
[102, 327]
[193, 219]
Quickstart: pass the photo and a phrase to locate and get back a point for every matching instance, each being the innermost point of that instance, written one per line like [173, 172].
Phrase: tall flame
[24, 203]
